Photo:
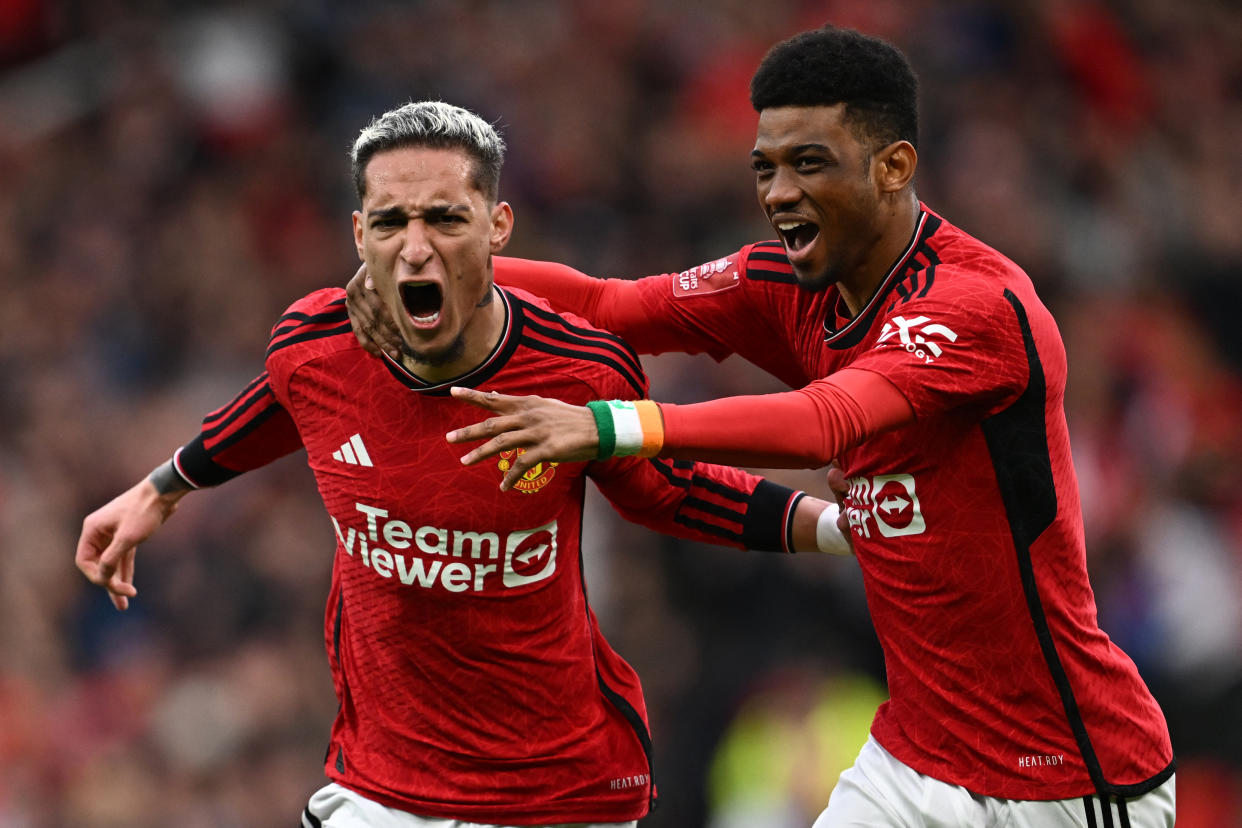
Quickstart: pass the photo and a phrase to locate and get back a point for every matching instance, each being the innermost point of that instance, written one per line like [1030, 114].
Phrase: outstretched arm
[111, 534]
[249, 432]
[616, 305]
[807, 428]
[719, 505]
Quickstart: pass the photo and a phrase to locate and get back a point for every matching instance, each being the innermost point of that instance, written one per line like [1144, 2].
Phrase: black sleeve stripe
[766, 520]
[548, 348]
[716, 510]
[235, 410]
[708, 528]
[721, 489]
[305, 337]
[239, 404]
[769, 508]
[255, 421]
[669, 471]
[294, 324]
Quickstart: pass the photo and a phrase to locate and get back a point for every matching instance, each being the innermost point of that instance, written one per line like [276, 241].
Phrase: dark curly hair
[828, 66]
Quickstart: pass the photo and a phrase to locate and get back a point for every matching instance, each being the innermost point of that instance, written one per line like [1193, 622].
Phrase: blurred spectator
[173, 176]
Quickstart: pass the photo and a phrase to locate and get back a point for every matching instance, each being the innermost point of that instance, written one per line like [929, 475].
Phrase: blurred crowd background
[174, 174]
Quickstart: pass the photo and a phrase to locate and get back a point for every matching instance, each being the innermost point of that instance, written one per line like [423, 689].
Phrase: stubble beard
[443, 356]
[450, 353]
[818, 283]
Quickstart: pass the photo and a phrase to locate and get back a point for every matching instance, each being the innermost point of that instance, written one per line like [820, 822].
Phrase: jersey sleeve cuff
[768, 526]
[193, 463]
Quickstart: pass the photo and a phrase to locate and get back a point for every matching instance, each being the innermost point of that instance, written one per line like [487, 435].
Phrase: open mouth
[797, 235]
[422, 301]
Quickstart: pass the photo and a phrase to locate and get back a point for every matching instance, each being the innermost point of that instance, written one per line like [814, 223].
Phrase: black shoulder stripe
[332, 315]
[933, 224]
[759, 275]
[772, 252]
[604, 338]
[777, 256]
[293, 320]
[588, 356]
[309, 335]
[563, 330]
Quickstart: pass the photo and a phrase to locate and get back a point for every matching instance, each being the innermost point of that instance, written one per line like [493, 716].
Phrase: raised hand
[548, 430]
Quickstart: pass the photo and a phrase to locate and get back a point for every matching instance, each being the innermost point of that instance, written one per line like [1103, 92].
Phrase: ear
[502, 226]
[894, 166]
[358, 234]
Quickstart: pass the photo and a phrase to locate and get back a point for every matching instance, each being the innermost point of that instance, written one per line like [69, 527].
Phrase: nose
[781, 190]
[416, 249]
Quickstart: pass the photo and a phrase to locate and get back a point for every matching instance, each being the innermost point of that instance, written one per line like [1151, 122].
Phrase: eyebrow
[388, 212]
[431, 212]
[811, 147]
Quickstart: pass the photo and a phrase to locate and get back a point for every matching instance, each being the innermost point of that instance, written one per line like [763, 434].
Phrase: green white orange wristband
[628, 427]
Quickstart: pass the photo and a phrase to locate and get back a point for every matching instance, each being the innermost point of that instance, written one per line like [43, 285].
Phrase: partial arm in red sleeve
[806, 428]
[612, 304]
[250, 432]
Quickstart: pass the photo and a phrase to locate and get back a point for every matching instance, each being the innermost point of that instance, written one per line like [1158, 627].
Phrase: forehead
[422, 174]
[785, 128]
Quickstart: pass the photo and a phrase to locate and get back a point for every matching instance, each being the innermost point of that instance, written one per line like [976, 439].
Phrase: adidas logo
[353, 452]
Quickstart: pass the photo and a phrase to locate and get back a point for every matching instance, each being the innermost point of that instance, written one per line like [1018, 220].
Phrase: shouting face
[823, 189]
[427, 234]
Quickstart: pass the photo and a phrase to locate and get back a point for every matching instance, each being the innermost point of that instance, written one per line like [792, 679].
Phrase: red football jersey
[966, 523]
[473, 679]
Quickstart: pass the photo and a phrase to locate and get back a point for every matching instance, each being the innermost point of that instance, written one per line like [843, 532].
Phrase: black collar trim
[853, 333]
[476, 376]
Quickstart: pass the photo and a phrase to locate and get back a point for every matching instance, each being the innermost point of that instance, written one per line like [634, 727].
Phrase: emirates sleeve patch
[712, 277]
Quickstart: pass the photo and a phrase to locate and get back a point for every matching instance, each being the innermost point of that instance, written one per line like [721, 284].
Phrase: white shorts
[335, 806]
[880, 790]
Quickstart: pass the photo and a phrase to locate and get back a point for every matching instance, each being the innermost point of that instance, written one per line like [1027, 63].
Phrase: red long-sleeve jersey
[966, 518]
[473, 679]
